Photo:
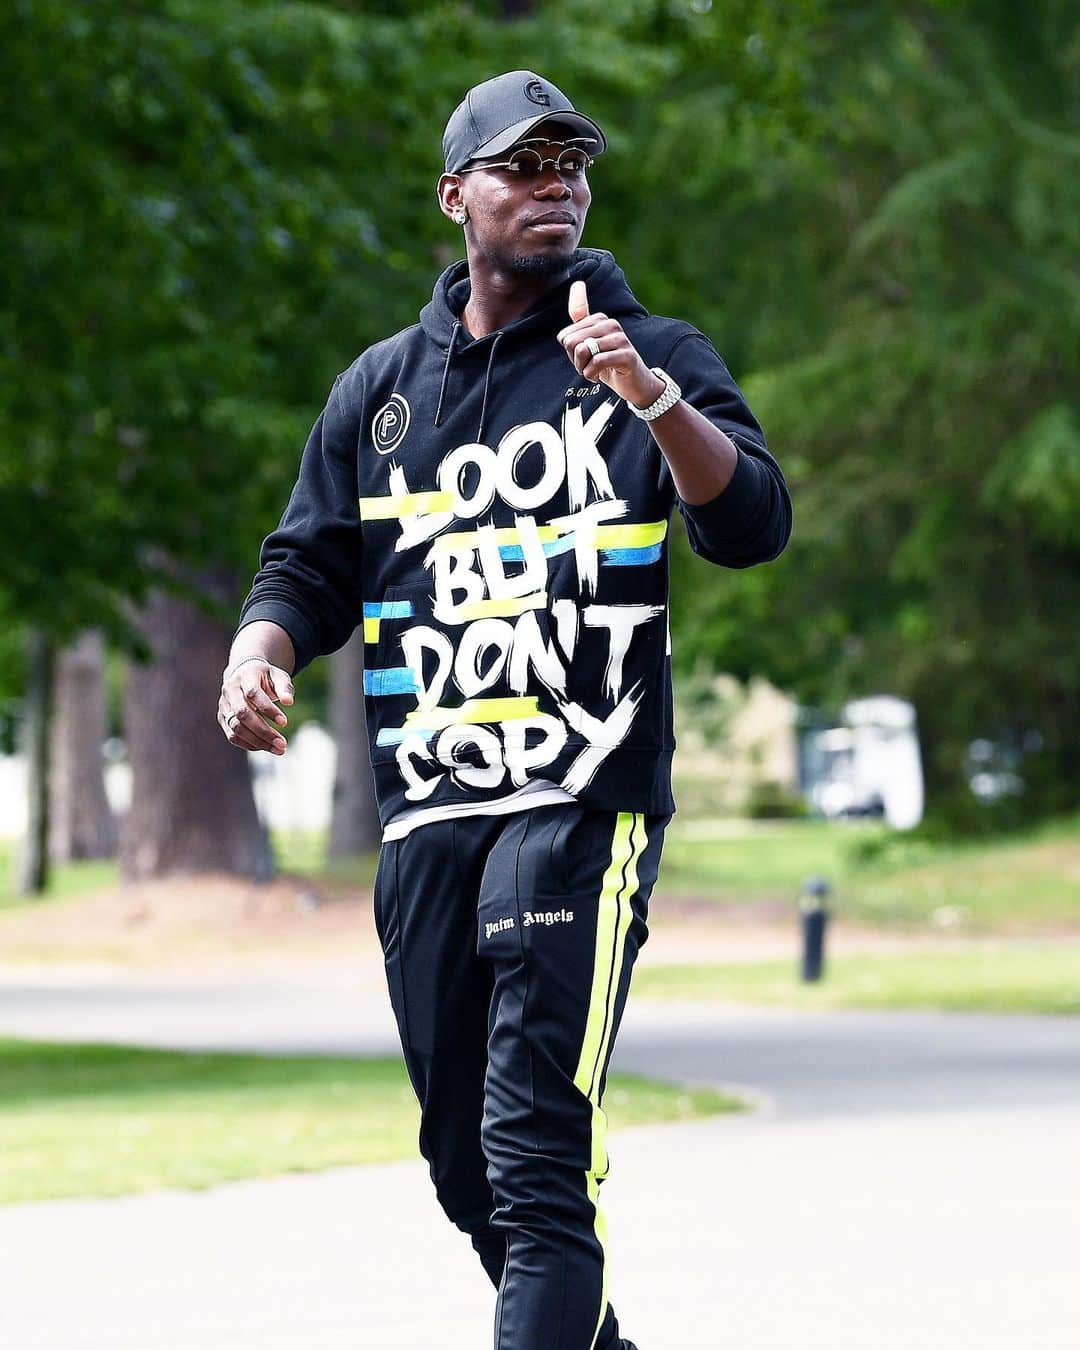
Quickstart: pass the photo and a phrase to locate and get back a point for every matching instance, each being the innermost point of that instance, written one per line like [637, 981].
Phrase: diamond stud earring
[461, 215]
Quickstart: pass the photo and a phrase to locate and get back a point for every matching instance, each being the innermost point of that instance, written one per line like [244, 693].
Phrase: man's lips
[555, 222]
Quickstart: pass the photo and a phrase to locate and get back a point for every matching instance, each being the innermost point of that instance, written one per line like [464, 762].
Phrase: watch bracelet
[663, 401]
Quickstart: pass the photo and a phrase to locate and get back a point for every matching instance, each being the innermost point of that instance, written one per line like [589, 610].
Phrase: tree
[888, 262]
[183, 249]
[81, 820]
[938, 418]
[192, 807]
[213, 209]
[354, 824]
[32, 858]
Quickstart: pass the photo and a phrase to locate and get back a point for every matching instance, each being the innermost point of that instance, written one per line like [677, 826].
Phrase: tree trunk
[192, 805]
[32, 871]
[81, 823]
[354, 823]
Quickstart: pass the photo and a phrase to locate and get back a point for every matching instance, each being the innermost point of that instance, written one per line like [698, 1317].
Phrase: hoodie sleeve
[309, 577]
[749, 522]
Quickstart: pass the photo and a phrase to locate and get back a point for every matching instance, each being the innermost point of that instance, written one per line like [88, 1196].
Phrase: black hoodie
[509, 559]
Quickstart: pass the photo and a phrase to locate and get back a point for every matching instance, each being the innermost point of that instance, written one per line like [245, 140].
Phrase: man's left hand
[619, 364]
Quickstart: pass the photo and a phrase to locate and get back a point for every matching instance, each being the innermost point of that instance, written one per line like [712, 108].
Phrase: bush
[770, 800]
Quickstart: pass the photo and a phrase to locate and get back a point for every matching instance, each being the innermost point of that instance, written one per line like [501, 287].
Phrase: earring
[461, 215]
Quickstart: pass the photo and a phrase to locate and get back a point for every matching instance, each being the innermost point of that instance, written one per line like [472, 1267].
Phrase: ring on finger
[593, 345]
[232, 720]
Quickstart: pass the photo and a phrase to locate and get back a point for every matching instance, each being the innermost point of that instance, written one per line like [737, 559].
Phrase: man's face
[527, 222]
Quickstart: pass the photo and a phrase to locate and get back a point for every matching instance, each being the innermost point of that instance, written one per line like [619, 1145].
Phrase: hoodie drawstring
[487, 381]
[446, 374]
[446, 369]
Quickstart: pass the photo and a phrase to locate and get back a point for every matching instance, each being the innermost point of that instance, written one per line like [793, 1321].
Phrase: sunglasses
[525, 162]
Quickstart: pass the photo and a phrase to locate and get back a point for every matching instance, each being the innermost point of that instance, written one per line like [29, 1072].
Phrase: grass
[984, 977]
[1029, 880]
[303, 852]
[299, 852]
[99, 1120]
[67, 881]
[879, 877]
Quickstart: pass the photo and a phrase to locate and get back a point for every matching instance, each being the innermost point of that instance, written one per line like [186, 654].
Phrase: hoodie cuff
[297, 625]
[731, 511]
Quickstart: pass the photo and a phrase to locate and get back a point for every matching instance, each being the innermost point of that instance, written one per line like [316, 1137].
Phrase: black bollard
[815, 917]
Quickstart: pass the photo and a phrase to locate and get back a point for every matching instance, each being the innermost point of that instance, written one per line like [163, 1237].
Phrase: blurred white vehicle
[870, 766]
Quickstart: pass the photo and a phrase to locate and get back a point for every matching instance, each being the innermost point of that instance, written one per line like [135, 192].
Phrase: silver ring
[593, 345]
[232, 718]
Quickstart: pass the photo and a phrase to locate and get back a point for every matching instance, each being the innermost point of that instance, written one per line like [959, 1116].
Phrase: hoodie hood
[608, 289]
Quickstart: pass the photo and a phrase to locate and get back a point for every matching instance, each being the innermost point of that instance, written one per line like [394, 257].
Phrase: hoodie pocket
[400, 608]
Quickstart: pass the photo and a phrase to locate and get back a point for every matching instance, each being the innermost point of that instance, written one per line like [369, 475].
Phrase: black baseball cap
[495, 114]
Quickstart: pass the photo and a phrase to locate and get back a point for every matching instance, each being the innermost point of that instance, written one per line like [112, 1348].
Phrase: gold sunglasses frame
[574, 143]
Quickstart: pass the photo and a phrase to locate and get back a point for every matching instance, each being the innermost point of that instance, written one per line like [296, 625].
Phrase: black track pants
[509, 942]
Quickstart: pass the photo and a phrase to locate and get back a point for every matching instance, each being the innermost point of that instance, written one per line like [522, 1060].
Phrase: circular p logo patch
[390, 423]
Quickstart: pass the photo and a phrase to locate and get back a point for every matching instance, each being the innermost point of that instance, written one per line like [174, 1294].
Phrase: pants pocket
[388, 927]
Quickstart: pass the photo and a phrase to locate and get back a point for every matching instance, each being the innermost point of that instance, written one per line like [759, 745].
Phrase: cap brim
[583, 126]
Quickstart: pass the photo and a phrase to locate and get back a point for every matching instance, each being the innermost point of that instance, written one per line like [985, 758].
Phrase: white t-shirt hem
[538, 792]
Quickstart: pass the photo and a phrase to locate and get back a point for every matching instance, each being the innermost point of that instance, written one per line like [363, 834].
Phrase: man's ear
[448, 192]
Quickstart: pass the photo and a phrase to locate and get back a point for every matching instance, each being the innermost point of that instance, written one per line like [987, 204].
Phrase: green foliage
[872, 210]
[213, 210]
[186, 243]
[769, 800]
[902, 280]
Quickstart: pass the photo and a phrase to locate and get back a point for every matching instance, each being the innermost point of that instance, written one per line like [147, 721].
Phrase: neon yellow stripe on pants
[614, 916]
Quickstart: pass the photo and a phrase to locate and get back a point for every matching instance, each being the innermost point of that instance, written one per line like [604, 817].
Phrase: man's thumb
[281, 685]
[579, 303]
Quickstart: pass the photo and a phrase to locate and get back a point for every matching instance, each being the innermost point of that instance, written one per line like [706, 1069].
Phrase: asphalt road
[909, 1180]
[801, 1064]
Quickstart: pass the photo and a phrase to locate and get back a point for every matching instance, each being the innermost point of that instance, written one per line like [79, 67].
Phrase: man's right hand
[250, 691]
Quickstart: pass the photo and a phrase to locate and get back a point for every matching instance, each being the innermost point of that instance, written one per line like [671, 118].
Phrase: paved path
[804, 1064]
[911, 1182]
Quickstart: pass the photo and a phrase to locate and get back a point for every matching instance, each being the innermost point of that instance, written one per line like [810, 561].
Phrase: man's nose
[551, 183]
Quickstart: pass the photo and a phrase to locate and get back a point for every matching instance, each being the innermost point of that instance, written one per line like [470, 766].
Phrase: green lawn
[97, 1120]
[1015, 977]
[66, 881]
[878, 877]
[302, 853]
[1021, 882]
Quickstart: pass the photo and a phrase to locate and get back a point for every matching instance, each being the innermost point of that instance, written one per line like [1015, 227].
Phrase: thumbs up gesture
[600, 350]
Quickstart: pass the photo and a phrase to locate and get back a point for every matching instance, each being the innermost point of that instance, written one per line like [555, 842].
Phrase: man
[516, 456]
